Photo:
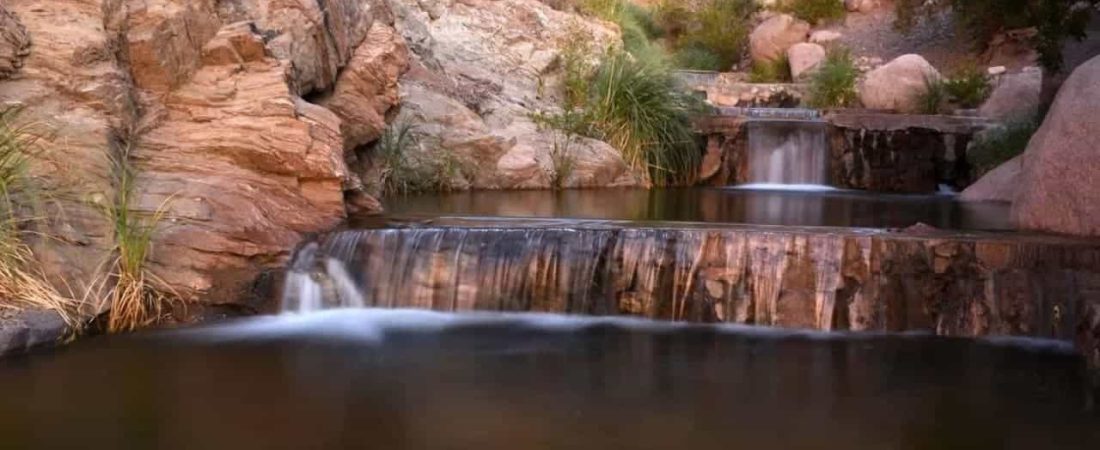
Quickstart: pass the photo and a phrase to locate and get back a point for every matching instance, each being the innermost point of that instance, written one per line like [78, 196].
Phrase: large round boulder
[1059, 186]
[1016, 96]
[804, 57]
[770, 40]
[897, 84]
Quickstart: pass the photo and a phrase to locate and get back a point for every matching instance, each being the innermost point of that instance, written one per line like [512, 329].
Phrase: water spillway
[788, 152]
[967, 284]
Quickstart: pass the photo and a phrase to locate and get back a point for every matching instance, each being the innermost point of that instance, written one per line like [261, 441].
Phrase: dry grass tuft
[23, 285]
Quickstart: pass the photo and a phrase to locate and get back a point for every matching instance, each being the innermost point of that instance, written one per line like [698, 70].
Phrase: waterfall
[787, 152]
[801, 279]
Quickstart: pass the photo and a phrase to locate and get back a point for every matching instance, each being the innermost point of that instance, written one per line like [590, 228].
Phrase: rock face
[1061, 167]
[480, 70]
[770, 40]
[209, 101]
[1015, 97]
[15, 44]
[955, 285]
[897, 84]
[804, 58]
[999, 185]
[863, 6]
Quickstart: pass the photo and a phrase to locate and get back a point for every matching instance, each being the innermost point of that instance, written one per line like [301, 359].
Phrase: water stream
[788, 152]
[376, 379]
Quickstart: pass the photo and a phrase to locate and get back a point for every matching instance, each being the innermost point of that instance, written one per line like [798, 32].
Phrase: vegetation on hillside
[404, 170]
[995, 147]
[833, 85]
[814, 11]
[981, 20]
[778, 71]
[968, 87]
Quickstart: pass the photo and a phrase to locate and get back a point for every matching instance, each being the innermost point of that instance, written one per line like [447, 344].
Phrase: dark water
[398, 379]
[761, 207]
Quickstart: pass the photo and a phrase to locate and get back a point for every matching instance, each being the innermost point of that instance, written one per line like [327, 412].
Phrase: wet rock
[1015, 96]
[30, 329]
[1060, 166]
[804, 58]
[897, 84]
[999, 185]
[770, 40]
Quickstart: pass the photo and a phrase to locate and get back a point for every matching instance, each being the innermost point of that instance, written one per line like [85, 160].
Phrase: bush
[997, 146]
[814, 11]
[720, 26]
[697, 58]
[833, 85]
[933, 99]
[968, 88]
[778, 71]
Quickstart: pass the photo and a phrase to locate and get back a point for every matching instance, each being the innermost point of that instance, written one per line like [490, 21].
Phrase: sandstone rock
[804, 58]
[996, 70]
[1015, 97]
[999, 185]
[30, 329]
[771, 39]
[208, 102]
[897, 84]
[15, 44]
[1060, 166]
[477, 75]
[368, 89]
[825, 36]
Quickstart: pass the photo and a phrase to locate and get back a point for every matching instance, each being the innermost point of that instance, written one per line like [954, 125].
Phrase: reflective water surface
[716, 205]
[418, 380]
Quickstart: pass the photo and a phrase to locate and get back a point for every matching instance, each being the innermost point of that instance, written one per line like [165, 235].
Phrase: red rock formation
[209, 95]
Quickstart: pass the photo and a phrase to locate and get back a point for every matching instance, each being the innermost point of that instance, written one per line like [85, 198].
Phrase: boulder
[863, 6]
[15, 44]
[1015, 96]
[770, 40]
[999, 185]
[897, 84]
[1061, 166]
[825, 36]
[804, 57]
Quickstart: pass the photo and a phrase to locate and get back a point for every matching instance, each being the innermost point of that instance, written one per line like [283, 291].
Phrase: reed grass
[137, 297]
[833, 85]
[23, 284]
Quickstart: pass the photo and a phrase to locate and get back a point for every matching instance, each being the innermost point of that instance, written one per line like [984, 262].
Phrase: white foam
[785, 187]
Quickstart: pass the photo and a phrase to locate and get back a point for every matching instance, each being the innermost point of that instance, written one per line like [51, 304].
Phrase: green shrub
[933, 99]
[997, 146]
[968, 88]
[778, 71]
[833, 85]
[697, 58]
[638, 108]
[814, 11]
[720, 26]
[561, 156]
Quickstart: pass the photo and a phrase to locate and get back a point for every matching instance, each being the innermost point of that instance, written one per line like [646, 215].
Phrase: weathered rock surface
[1015, 97]
[15, 44]
[30, 329]
[897, 84]
[949, 284]
[999, 185]
[770, 40]
[804, 57]
[1061, 167]
[480, 70]
[825, 36]
[208, 98]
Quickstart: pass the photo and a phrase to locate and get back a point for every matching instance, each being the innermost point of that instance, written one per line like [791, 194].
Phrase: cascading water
[787, 153]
